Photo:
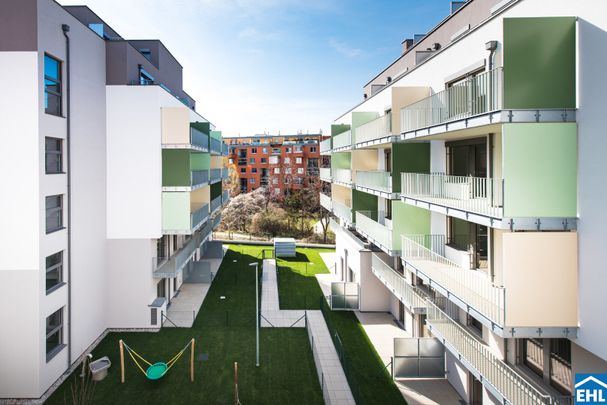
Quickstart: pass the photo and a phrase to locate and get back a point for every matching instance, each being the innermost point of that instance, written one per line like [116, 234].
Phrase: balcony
[375, 182]
[216, 222]
[497, 376]
[225, 149]
[325, 147]
[325, 201]
[225, 173]
[377, 228]
[475, 96]
[198, 217]
[215, 175]
[215, 204]
[199, 178]
[225, 197]
[325, 174]
[170, 268]
[342, 210]
[342, 141]
[375, 130]
[199, 139]
[469, 289]
[216, 146]
[409, 295]
[478, 195]
[342, 177]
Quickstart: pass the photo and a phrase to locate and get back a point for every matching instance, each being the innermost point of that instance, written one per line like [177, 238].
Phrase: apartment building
[115, 186]
[282, 162]
[465, 192]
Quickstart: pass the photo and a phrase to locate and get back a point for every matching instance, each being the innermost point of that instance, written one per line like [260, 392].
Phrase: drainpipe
[66, 28]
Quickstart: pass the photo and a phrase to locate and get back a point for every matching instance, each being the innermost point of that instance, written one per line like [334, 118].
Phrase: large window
[54, 213]
[53, 155]
[54, 271]
[52, 85]
[54, 334]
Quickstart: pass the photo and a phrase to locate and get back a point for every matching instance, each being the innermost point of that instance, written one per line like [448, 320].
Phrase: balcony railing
[216, 221]
[215, 174]
[215, 203]
[478, 195]
[225, 197]
[171, 267]
[373, 224]
[511, 385]
[198, 216]
[325, 146]
[342, 175]
[478, 95]
[216, 146]
[342, 140]
[375, 180]
[199, 139]
[325, 201]
[342, 210]
[426, 254]
[325, 173]
[225, 173]
[397, 283]
[225, 149]
[378, 128]
[199, 177]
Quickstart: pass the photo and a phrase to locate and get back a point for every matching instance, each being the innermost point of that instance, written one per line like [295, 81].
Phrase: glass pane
[54, 259]
[53, 201]
[53, 278]
[53, 163]
[53, 321]
[52, 104]
[53, 341]
[51, 67]
[52, 144]
[52, 85]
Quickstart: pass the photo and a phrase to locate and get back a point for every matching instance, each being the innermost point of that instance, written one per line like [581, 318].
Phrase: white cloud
[344, 49]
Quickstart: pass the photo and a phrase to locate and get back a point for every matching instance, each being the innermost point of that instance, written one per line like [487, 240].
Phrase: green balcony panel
[360, 118]
[337, 129]
[408, 219]
[362, 201]
[176, 168]
[409, 158]
[540, 170]
[539, 62]
[200, 161]
[176, 212]
[215, 190]
[341, 160]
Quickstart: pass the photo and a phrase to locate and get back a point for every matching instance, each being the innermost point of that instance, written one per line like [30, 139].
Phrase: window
[264, 150]
[298, 149]
[298, 160]
[312, 149]
[54, 271]
[264, 160]
[277, 170]
[53, 155]
[52, 86]
[287, 180]
[253, 170]
[288, 170]
[54, 213]
[145, 78]
[243, 170]
[300, 170]
[252, 161]
[276, 191]
[146, 53]
[274, 180]
[252, 180]
[299, 180]
[288, 150]
[287, 160]
[253, 150]
[54, 334]
[231, 161]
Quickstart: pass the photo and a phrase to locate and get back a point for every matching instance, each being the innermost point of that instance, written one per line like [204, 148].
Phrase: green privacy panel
[360, 118]
[203, 127]
[408, 220]
[215, 190]
[175, 211]
[409, 158]
[540, 170]
[176, 168]
[200, 161]
[337, 129]
[341, 160]
[539, 62]
[362, 201]
[216, 135]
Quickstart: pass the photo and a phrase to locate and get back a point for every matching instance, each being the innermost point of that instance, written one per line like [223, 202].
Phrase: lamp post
[256, 265]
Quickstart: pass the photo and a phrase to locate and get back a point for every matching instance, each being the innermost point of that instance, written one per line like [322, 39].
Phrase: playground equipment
[156, 370]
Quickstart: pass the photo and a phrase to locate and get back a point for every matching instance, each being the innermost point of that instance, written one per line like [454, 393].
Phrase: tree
[239, 213]
[269, 222]
[324, 219]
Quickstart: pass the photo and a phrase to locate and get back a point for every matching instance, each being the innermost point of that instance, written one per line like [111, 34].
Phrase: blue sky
[257, 66]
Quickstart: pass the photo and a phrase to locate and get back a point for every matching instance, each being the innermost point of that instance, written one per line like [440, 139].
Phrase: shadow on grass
[299, 257]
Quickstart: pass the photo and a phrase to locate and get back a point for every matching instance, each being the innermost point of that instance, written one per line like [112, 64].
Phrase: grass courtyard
[225, 332]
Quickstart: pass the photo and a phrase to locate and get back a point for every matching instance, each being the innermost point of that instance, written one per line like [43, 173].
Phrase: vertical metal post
[257, 311]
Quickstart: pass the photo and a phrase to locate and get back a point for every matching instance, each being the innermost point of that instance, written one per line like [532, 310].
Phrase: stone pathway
[335, 388]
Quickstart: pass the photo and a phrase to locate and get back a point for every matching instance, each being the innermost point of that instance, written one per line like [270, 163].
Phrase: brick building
[284, 162]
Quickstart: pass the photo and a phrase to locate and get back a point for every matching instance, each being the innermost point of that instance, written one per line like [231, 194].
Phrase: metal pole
[257, 313]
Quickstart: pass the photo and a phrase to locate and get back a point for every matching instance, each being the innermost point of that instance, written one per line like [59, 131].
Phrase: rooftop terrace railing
[199, 139]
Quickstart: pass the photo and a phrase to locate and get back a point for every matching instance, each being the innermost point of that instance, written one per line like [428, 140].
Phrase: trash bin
[99, 368]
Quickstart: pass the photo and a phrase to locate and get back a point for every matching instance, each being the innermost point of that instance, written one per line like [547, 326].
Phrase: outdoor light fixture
[256, 265]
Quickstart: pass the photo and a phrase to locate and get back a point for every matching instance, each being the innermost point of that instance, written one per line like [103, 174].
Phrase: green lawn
[298, 289]
[225, 332]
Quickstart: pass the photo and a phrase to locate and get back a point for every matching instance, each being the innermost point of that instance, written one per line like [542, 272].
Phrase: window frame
[59, 267]
[58, 81]
[50, 354]
[58, 153]
[58, 209]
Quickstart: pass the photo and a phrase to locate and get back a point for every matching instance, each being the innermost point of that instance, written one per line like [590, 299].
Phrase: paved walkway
[185, 306]
[335, 388]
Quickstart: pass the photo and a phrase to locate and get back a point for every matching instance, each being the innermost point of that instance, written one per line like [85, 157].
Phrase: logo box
[590, 389]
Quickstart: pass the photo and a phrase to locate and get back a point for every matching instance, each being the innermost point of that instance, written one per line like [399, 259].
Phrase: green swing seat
[156, 371]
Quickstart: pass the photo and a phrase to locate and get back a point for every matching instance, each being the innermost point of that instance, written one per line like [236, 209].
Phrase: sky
[269, 66]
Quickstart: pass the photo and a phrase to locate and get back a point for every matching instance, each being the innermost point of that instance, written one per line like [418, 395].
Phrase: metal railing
[375, 180]
[480, 195]
[215, 203]
[216, 174]
[378, 128]
[216, 222]
[374, 225]
[397, 283]
[325, 146]
[177, 261]
[342, 209]
[199, 177]
[477, 95]
[199, 138]
[216, 146]
[225, 149]
[198, 216]
[426, 253]
[342, 140]
[225, 197]
[325, 201]
[511, 385]
[325, 173]
[342, 175]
